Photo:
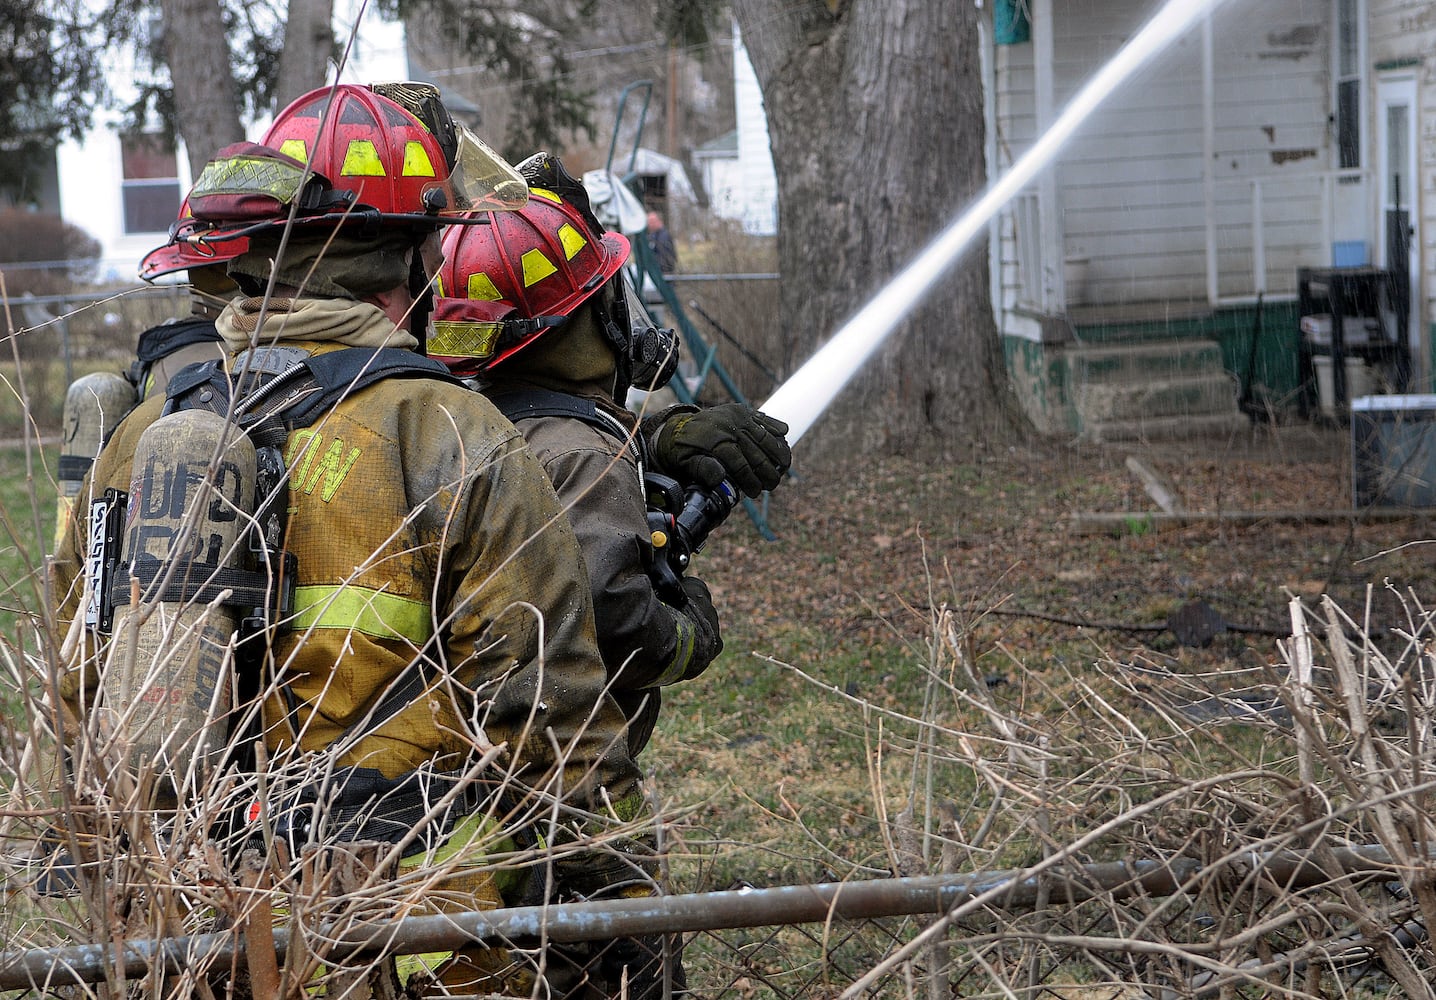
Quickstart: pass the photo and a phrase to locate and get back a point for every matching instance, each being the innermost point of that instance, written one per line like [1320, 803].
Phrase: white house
[738, 167]
[1275, 136]
[125, 189]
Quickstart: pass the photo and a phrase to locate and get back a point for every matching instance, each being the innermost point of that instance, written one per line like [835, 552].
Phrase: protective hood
[575, 358]
[340, 321]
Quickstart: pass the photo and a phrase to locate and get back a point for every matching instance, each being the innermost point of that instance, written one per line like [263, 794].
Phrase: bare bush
[1123, 831]
[52, 339]
[42, 254]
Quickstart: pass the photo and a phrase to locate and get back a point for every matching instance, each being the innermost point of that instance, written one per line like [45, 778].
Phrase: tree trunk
[206, 103]
[308, 42]
[875, 112]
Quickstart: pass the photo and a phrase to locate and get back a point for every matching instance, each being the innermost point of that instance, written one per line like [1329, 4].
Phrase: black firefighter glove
[731, 441]
[707, 637]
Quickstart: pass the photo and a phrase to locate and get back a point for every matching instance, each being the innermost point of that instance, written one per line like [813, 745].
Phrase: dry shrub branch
[1143, 832]
[1145, 841]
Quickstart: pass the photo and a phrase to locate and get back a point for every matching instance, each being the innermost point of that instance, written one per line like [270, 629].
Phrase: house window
[1348, 84]
[150, 188]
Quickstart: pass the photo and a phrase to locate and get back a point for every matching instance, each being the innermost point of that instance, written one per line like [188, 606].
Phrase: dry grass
[926, 674]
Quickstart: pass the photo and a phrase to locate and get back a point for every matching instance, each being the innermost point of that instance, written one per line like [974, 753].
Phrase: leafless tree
[206, 105]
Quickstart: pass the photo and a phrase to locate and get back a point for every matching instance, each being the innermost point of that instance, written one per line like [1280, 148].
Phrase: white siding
[1132, 180]
[757, 190]
[1131, 183]
[723, 180]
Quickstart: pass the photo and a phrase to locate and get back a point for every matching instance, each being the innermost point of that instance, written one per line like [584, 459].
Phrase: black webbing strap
[197, 582]
[342, 373]
[524, 404]
[301, 395]
[529, 402]
[358, 803]
[163, 340]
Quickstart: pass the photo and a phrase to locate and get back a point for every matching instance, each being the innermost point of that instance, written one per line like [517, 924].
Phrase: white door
[1399, 244]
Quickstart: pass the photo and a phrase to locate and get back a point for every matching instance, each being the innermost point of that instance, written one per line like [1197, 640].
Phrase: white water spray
[812, 388]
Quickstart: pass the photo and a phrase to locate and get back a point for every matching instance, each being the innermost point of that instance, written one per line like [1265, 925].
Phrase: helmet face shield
[482, 179]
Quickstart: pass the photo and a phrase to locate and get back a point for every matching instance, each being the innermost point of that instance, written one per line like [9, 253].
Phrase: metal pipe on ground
[705, 911]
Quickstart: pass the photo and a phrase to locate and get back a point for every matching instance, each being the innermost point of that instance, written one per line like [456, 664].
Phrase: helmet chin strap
[614, 331]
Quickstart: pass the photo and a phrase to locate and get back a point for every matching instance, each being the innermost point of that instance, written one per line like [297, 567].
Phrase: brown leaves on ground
[864, 551]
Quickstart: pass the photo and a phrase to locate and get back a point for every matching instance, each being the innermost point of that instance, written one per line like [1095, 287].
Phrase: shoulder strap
[339, 374]
[522, 404]
[183, 393]
[292, 385]
[163, 340]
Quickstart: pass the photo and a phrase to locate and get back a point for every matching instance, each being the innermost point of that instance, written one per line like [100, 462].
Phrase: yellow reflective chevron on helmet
[536, 267]
[481, 288]
[545, 194]
[361, 159]
[572, 240]
[416, 160]
[296, 149]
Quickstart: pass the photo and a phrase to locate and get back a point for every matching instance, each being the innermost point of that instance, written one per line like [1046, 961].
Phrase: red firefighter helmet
[540, 264]
[367, 144]
[183, 256]
[388, 154]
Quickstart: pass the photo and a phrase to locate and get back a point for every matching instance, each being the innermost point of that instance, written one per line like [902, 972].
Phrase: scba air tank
[94, 404]
[168, 681]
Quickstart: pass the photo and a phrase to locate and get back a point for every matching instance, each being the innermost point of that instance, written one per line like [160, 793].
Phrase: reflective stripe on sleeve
[362, 609]
[682, 654]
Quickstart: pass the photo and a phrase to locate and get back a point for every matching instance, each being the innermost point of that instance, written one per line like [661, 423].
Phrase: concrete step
[1128, 399]
[1152, 359]
[1166, 428]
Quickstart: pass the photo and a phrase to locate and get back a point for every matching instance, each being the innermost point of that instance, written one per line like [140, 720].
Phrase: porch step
[1152, 390]
[1129, 399]
[1166, 428]
[1158, 359]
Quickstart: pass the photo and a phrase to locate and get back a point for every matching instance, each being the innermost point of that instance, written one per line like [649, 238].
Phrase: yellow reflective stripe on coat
[361, 609]
[687, 635]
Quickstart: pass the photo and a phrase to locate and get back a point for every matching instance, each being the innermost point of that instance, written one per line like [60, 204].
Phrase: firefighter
[533, 304]
[95, 403]
[440, 618]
